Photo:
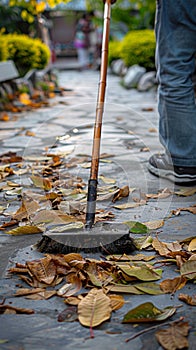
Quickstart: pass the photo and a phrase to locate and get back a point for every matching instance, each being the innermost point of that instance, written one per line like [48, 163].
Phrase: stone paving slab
[130, 123]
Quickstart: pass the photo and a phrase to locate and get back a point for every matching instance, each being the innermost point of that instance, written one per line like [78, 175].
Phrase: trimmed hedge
[137, 47]
[27, 53]
[3, 49]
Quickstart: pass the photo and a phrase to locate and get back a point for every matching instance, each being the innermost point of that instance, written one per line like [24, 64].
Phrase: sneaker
[158, 165]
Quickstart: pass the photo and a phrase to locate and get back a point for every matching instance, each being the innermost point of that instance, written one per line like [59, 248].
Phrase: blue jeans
[175, 28]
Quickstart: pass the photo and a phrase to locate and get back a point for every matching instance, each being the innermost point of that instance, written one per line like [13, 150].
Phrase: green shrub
[27, 53]
[137, 47]
[114, 50]
[3, 49]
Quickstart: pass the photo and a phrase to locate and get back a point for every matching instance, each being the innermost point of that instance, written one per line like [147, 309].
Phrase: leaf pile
[94, 288]
[21, 99]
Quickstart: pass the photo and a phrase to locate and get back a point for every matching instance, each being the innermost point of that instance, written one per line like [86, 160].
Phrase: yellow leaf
[25, 99]
[24, 230]
[107, 180]
[192, 245]
[94, 309]
[117, 301]
[153, 225]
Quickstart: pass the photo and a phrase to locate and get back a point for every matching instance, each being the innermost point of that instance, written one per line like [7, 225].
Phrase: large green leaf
[143, 273]
[147, 312]
[136, 227]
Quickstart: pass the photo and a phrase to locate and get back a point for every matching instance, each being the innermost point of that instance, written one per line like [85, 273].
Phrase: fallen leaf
[192, 245]
[191, 209]
[188, 269]
[123, 288]
[174, 337]
[70, 289]
[161, 247]
[24, 98]
[162, 194]
[24, 230]
[188, 299]
[26, 291]
[45, 295]
[41, 182]
[129, 205]
[149, 288]
[147, 312]
[143, 243]
[125, 257]
[122, 193]
[44, 270]
[154, 225]
[29, 133]
[28, 207]
[152, 130]
[143, 273]
[13, 309]
[186, 192]
[172, 285]
[94, 309]
[4, 117]
[107, 180]
[117, 301]
[136, 227]
[73, 300]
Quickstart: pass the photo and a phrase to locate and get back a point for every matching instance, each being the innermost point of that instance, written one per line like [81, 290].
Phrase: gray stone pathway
[130, 127]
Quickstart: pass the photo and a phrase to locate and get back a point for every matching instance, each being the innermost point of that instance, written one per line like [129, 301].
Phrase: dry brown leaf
[13, 309]
[174, 246]
[94, 309]
[117, 301]
[162, 194]
[44, 270]
[191, 209]
[44, 295]
[41, 182]
[4, 117]
[28, 207]
[154, 225]
[174, 337]
[73, 300]
[172, 285]
[107, 180]
[122, 193]
[161, 247]
[29, 133]
[26, 291]
[129, 205]
[190, 300]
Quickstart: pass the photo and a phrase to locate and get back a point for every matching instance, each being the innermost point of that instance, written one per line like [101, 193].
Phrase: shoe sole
[172, 176]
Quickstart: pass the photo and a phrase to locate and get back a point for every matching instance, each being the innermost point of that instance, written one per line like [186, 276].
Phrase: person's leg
[175, 58]
[83, 58]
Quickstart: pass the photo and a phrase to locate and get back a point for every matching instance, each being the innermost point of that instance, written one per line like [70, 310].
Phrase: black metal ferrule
[91, 203]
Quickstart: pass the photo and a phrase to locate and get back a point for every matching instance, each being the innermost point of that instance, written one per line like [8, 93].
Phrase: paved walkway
[130, 135]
